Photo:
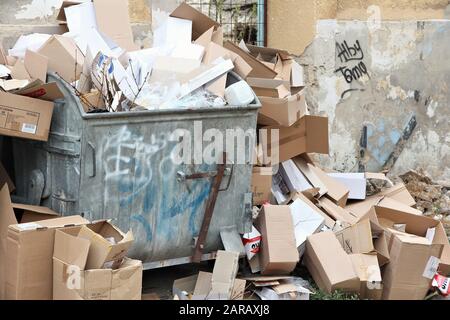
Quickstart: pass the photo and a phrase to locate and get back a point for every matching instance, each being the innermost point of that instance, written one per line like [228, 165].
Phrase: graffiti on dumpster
[129, 165]
[351, 58]
[127, 159]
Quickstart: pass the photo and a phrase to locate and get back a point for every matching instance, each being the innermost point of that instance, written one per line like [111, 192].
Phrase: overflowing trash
[357, 233]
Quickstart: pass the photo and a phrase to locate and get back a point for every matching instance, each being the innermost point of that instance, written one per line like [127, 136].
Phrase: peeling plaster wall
[406, 81]
[302, 16]
[19, 17]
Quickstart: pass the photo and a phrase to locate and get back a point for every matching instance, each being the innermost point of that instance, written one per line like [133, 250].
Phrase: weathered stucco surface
[387, 95]
[292, 23]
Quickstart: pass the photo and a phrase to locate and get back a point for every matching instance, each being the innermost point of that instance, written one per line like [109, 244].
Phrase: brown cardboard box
[278, 252]
[308, 135]
[417, 225]
[280, 61]
[25, 117]
[64, 57]
[404, 275]
[329, 265]
[12, 214]
[29, 252]
[70, 257]
[261, 185]
[282, 111]
[101, 250]
[369, 274]
[27, 235]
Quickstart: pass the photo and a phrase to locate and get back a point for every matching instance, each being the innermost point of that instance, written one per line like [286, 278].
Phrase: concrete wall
[387, 95]
[24, 16]
[291, 24]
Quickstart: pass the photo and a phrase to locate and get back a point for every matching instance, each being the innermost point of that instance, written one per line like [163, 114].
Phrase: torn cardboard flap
[19, 71]
[336, 191]
[224, 274]
[357, 238]
[102, 249]
[71, 249]
[302, 162]
[399, 193]
[29, 213]
[47, 91]
[308, 135]
[36, 65]
[200, 22]
[259, 70]
[64, 57]
[417, 225]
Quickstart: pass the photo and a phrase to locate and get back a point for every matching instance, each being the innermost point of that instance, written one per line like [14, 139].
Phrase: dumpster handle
[92, 160]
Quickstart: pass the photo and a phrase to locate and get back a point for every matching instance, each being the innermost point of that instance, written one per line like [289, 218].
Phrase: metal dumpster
[118, 166]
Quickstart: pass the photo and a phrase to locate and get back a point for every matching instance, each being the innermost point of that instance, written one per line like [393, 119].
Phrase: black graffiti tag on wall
[351, 58]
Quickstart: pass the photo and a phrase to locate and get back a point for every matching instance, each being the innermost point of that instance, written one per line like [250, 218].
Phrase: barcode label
[431, 267]
[29, 128]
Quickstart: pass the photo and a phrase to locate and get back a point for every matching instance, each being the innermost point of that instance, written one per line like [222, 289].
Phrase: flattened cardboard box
[25, 117]
[261, 184]
[307, 135]
[278, 253]
[224, 274]
[123, 283]
[329, 265]
[198, 287]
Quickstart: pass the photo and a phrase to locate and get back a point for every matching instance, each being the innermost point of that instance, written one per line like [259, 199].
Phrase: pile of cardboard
[44, 256]
[378, 246]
